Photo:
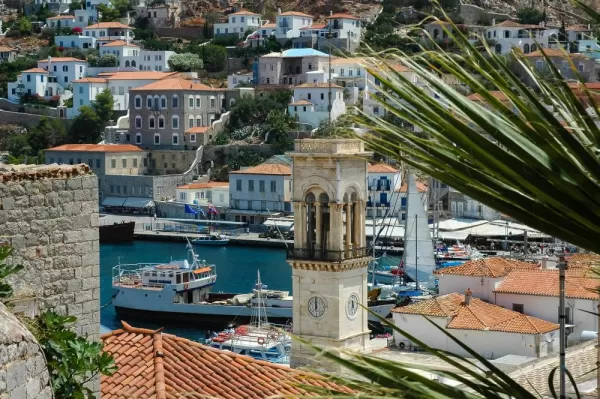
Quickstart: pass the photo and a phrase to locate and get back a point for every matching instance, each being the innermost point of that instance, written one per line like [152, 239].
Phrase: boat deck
[139, 285]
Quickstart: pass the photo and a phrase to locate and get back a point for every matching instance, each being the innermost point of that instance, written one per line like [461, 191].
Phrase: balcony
[326, 256]
[328, 146]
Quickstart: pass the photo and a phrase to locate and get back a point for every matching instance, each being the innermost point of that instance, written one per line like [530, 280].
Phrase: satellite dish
[549, 337]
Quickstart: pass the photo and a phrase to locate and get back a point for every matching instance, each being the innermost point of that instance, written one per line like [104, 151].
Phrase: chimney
[49, 63]
[279, 11]
[493, 21]
[468, 295]
[330, 13]
[545, 262]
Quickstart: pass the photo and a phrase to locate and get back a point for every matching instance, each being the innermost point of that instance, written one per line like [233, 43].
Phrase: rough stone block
[18, 242]
[84, 296]
[74, 309]
[74, 184]
[94, 220]
[96, 271]
[91, 259]
[90, 306]
[80, 222]
[59, 184]
[74, 285]
[67, 299]
[22, 202]
[14, 215]
[52, 199]
[89, 207]
[90, 283]
[16, 189]
[16, 373]
[8, 203]
[33, 388]
[96, 293]
[89, 182]
[18, 393]
[37, 239]
[73, 237]
[23, 228]
[71, 208]
[10, 229]
[81, 248]
[36, 200]
[28, 215]
[3, 214]
[45, 186]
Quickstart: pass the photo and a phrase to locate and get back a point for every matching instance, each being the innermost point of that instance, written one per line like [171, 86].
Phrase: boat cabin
[172, 274]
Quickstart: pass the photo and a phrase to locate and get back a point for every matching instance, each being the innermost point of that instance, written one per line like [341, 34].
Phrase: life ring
[402, 345]
[185, 286]
[260, 340]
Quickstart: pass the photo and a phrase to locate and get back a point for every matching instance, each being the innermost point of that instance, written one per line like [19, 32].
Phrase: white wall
[82, 42]
[65, 72]
[235, 79]
[218, 196]
[274, 200]
[154, 60]
[489, 344]
[546, 307]
[238, 24]
[482, 287]
[288, 26]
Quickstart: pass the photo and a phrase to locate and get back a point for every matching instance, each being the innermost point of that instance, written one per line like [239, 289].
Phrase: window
[198, 102]
[149, 102]
[66, 79]
[198, 121]
[121, 90]
[238, 185]
[261, 186]
[112, 189]
[376, 110]
[539, 64]
[175, 102]
[65, 68]
[518, 307]
[157, 138]
[242, 19]
[309, 96]
[97, 163]
[273, 186]
[42, 78]
[212, 102]
[113, 163]
[138, 138]
[138, 102]
[90, 163]
[322, 96]
[151, 122]
[80, 89]
[175, 139]
[163, 102]
[175, 122]
[29, 78]
[581, 67]
[342, 72]
[182, 196]
[124, 162]
[250, 185]
[161, 122]
[138, 122]
[192, 138]
[191, 122]
[190, 102]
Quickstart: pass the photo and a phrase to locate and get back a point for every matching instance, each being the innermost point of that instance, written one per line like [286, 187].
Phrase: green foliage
[49, 132]
[279, 126]
[185, 62]
[108, 13]
[108, 60]
[103, 105]
[5, 271]
[338, 127]
[72, 360]
[76, 5]
[214, 57]
[255, 110]
[24, 26]
[43, 13]
[68, 102]
[92, 60]
[10, 70]
[86, 127]
[245, 157]
[530, 15]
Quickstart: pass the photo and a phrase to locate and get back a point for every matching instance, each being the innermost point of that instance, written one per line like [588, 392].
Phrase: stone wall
[27, 120]
[49, 215]
[472, 13]
[184, 33]
[23, 371]
[221, 154]
[153, 187]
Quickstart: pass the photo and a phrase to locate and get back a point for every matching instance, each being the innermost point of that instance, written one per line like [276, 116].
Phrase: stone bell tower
[329, 259]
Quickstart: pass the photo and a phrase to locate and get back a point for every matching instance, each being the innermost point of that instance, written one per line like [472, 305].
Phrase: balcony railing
[326, 256]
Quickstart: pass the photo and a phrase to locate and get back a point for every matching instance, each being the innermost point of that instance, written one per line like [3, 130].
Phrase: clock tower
[329, 259]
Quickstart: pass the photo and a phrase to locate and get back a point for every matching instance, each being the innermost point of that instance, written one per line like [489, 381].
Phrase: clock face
[352, 305]
[316, 306]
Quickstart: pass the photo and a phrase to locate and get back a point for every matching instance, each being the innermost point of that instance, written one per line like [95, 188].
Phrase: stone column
[360, 219]
[299, 208]
[336, 234]
[348, 227]
[318, 225]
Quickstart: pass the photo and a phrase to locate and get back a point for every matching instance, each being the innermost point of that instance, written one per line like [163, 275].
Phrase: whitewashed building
[203, 194]
[310, 104]
[492, 331]
[236, 78]
[382, 181]
[399, 197]
[75, 41]
[108, 31]
[64, 69]
[509, 34]
[30, 82]
[290, 23]
[238, 23]
[259, 192]
[131, 55]
[60, 21]
[344, 26]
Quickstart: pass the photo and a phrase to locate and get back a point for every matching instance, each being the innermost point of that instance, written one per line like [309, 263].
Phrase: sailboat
[418, 260]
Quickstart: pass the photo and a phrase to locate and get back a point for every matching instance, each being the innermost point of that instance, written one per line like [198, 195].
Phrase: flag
[189, 209]
[212, 209]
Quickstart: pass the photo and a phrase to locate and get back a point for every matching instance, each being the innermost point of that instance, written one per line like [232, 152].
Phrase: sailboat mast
[416, 257]
[259, 298]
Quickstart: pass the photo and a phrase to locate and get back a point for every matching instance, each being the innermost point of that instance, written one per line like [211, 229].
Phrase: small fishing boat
[117, 232]
[212, 239]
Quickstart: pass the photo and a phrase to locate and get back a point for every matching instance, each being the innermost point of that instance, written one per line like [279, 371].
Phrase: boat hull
[118, 232]
[217, 243]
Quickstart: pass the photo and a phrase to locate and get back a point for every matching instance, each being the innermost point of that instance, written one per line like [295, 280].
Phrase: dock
[251, 239]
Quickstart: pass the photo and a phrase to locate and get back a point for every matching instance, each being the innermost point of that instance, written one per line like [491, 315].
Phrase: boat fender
[402, 345]
[185, 286]
[260, 340]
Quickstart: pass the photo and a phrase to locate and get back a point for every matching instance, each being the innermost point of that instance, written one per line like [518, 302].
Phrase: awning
[135, 202]
[285, 224]
[113, 201]
[202, 270]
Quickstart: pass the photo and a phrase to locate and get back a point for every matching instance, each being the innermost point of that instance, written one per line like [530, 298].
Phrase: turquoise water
[236, 272]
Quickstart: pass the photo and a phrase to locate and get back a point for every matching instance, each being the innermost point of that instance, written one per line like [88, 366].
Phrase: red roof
[211, 184]
[314, 27]
[108, 25]
[6, 49]
[36, 70]
[197, 130]
[90, 80]
[583, 261]
[495, 93]
[486, 267]
[513, 24]
[381, 168]
[295, 14]
[422, 188]
[62, 59]
[244, 12]
[143, 75]
[152, 364]
[265, 169]
[119, 43]
[545, 283]
[478, 315]
[96, 148]
[62, 17]
[174, 84]
[301, 102]
[341, 16]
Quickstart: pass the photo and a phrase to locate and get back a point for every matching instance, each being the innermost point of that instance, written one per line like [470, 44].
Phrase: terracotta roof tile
[36, 70]
[301, 102]
[62, 59]
[165, 366]
[545, 283]
[381, 168]
[62, 17]
[341, 16]
[578, 28]
[6, 48]
[197, 130]
[108, 25]
[478, 315]
[487, 267]
[270, 25]
[211, 184]
[495, 93]
[119, 43]
[422, 188]
[295, 14]
[90, 80]
[583, 261]
[140, 75]
[513, 24]
[244, 12]
[96, 148]
[175, 84]
[266, 169]
[314, 27]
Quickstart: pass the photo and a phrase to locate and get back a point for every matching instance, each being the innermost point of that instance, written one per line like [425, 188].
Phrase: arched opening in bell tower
[324, 223]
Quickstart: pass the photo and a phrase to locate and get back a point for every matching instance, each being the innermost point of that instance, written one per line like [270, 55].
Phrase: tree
[214, 57]
[86, 127]
[108, 60]
[92, 60]
[255, 110]
[279, 126]
[185, 62]
[76, 5]
[530, 16]
[48, 133]
[103, 105]
[18, 145]
[24, 26]
[108, 13]
[243, 158]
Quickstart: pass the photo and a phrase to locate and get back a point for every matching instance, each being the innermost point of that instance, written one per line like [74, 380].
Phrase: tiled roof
[314, 27]
[90, 80]
[265, 169]
[244, 12]
[6, 48]
[141, 75]
[341, 16]
[198, 21]
[578, 28]
[96, 148]
[152, 364]
[295, 14]
[422, 188]
[513, 24]
[119, 43]
[197, 130]
[495, 93]
[319, 85]
[211, 184]
[554, 52]
[583, 261]
[62, 17]
[174, 84]
[271, 25]
[62, 59]
[301, 102]
[545, 283]
[486, 267]
[108, 25]
[381, 168]
[36, 70]
[478, 315]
